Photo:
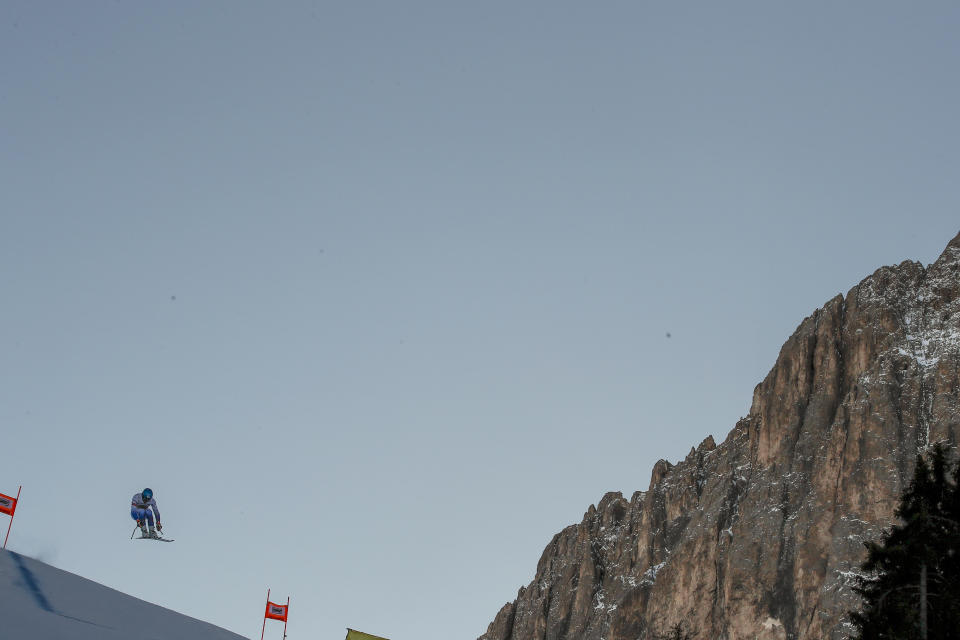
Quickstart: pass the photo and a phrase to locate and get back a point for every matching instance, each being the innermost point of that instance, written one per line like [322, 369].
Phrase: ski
[157, 539]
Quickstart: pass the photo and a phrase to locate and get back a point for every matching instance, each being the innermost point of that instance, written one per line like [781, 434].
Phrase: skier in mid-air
[140, 511]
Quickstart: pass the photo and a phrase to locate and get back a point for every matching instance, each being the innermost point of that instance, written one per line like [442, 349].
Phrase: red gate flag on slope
[276, 611]
[8, 504]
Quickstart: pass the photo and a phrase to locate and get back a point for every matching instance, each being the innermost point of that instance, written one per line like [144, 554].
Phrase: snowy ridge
[928, 337]
[40, 602]
[927, 345]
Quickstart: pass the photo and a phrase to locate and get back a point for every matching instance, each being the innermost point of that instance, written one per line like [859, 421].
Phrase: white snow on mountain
[40, 602]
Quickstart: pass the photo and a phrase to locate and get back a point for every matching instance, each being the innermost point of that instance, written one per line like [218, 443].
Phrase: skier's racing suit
[140, 510]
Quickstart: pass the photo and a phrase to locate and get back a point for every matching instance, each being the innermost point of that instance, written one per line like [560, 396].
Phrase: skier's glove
[159, 526]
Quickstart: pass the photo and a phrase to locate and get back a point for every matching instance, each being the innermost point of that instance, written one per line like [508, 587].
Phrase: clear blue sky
[376, 295]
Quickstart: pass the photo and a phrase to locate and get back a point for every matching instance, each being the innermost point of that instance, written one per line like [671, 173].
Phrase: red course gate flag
[7, 504]
[276, 611]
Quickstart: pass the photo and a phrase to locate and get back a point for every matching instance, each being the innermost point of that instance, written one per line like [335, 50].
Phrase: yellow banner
[360, 635]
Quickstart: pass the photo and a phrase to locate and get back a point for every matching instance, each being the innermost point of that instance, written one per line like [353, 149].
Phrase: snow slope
[40, 602]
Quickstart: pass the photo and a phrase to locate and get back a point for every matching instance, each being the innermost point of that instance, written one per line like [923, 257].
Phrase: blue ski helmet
[147, 493]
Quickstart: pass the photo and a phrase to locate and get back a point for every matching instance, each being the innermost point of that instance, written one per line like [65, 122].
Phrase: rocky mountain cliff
[760, 536]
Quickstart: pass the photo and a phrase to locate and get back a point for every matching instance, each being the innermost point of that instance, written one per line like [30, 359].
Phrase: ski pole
[135, 527]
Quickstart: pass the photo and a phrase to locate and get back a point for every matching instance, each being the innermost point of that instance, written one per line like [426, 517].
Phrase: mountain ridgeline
[762, 536]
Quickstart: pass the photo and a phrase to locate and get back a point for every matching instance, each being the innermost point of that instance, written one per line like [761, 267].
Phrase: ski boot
[153, 533]
[143, 528]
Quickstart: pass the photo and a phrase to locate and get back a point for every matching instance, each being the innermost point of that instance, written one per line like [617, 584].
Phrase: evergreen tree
[911, 581]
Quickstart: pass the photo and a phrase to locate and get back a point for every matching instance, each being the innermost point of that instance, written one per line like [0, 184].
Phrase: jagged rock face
[760, 536]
